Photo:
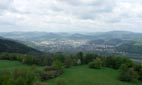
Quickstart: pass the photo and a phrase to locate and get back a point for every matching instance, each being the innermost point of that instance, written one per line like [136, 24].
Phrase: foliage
[128, 73]
[68, 62]
[97, 63]
[17, 77]
[130, 48]
[61, 82]
[57, 65]
[12, 46]
[59, 57]
[80, 56]
[116, 61]
[82, 75]
[27, 59]
[52, 71]
[90, 57]
[140, 73]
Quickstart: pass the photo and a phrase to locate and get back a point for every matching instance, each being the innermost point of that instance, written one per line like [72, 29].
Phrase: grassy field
[79, 75]
[82, 75]
[10, 65]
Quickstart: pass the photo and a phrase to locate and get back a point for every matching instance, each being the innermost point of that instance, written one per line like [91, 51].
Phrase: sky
[70, 15]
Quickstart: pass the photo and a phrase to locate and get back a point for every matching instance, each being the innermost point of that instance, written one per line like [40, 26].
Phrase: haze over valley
[115, 42]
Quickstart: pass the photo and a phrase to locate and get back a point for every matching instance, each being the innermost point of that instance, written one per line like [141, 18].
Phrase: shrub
[90, 57]
[97, 63]
[49, 68]
[61, 82]
[91, 65]
[58, 65]
[18, 77]
[51, 71]
[140, 74]
[68, 62]
[128, 73]
[116, 61]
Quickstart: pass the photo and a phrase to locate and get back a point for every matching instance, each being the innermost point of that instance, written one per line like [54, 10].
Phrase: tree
[78, 62]
[91, 65]
[18, 77]
[68, 62]
[59, 57]
[57, 65]
[140, 74]
[116, 61]
[97, 63]
[89, 58]
[128, 73]
[80, 55]
[5, 78]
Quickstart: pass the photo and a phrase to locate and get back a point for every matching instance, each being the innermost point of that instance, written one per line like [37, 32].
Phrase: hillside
[77, 75]
[11, 46]
[113, 42]
[82, 75]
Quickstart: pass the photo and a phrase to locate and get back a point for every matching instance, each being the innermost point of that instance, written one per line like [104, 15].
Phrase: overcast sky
[71, 15]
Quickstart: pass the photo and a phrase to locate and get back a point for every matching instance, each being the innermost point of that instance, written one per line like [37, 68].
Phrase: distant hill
[42, 36]
[120, 42]
[120, 35]
[11, 46]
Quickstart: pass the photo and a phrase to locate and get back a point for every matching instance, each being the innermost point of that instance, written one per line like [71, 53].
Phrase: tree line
[54, 65]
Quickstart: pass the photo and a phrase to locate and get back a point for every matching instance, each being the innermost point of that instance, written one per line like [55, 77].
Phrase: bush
[5, 78]
[18, 77]
[128, 73]
[68, 62]
[46, 75]
[91, 65]
[97, 63]
[61, 82]
[116, 61]
[90, 58]
[49, 68]
[51, 71]
[58, 65]
[140, 74]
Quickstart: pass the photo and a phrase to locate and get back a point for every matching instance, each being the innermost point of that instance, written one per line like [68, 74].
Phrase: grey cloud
[4, 5]
[2, 23]
[89, 10]
[72, 2]
[64, 15]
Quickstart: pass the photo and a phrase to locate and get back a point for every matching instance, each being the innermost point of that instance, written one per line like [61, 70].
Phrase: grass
[82, 75]
[11, 65]
[78, 75]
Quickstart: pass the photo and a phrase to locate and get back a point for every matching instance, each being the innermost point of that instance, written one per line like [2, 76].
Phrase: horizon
[68, 16]
[67, 32]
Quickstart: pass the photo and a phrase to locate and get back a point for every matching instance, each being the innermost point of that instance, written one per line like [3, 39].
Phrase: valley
[69, 59]
[70, 42]
[108, 43]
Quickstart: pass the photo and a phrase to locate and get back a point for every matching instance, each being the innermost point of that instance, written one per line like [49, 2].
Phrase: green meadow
[11, 65]
[77, 75]
[82, 75]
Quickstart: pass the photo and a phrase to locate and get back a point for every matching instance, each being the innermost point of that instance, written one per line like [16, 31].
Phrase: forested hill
[11, 46]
